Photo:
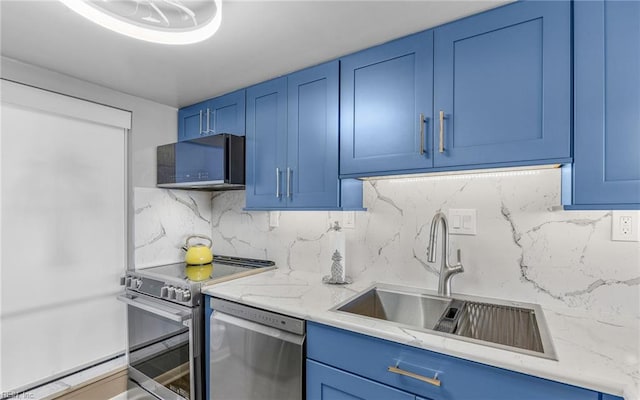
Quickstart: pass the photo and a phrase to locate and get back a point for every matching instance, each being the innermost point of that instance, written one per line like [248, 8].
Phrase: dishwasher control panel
[264, 317]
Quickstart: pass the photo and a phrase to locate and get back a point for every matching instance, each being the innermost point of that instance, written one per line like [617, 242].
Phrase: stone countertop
[595, 352]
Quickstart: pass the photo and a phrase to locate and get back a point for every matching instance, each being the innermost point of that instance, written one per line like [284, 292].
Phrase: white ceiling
[257, 40]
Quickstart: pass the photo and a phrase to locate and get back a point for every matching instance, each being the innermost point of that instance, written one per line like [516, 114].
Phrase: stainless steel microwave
[209, 163]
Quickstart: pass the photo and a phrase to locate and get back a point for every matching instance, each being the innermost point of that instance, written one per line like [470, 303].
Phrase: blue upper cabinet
[228, 113]
[503, 86]
[292, 143]
[312, 156]
[266, 144]
[385, 107]
[191, 121]
[224, 114]
[607, 105]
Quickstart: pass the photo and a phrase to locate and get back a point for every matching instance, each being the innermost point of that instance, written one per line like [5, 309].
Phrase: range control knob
[187, 295]
[164, 292]
[138, 283]
[171, 293]
[127, 282]
[179, 294]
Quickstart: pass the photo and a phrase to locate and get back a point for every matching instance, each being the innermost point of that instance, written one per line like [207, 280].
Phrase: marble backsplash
[522, 251]
[163, 221]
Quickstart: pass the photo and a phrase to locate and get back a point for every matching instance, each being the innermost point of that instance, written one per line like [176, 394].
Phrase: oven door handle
[155, 309]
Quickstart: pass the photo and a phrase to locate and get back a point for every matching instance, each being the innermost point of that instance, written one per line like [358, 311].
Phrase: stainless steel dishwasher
[254, 354]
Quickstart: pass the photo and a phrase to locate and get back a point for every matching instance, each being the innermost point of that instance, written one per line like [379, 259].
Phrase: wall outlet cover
[625, 226]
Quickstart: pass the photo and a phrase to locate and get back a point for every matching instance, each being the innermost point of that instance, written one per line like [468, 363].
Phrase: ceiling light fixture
[160, 21]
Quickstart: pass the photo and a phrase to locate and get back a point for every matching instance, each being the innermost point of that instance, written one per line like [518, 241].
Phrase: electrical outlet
[625, 226]
[274, 219]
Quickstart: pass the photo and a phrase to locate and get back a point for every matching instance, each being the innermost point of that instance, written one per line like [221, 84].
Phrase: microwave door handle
[158, 310]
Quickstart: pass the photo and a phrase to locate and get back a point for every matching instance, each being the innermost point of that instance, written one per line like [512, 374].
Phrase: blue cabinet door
[610, 397]
[384, 91]
[370, 358]
[311, 175]
[328, 383]
[266, 144]
[607, 104]
[192, 121]
[502, 80]
[228, 113]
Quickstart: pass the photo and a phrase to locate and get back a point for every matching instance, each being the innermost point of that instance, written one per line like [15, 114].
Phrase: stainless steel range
[165, 323]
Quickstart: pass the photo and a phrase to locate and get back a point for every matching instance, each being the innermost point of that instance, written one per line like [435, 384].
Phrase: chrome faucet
[447, 271]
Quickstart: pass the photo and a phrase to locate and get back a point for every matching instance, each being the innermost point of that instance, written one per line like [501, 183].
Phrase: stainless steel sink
[405, 308]
[518, 327]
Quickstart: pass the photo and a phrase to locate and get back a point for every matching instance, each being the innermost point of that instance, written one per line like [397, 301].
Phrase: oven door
[163, 347]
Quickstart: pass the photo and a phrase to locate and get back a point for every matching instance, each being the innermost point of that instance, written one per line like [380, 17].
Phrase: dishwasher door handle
[258, 328]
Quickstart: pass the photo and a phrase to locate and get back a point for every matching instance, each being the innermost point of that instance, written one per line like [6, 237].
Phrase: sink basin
[405, 308]
[518, 327]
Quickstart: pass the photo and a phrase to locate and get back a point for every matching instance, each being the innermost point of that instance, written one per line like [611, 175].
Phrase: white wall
[153, 123]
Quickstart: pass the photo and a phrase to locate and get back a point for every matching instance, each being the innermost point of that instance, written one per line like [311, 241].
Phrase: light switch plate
[274, 219]
[462, 221]
[349, 219]
[625, 226]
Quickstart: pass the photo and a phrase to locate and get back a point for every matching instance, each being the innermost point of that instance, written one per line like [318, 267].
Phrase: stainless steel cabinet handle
[200, 132]
[432, 381]
[421, 134]
[277, 182]
[208, 125]
[441, 149]
[289, 182]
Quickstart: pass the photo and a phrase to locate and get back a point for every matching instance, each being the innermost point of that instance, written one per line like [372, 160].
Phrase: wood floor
[101, 388]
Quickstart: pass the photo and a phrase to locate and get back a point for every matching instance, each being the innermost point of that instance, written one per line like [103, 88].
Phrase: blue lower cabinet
[328, 383]
[610, 397]
[606, 172]
[452, 378]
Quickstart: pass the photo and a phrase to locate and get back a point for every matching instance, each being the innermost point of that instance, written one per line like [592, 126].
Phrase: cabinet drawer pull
[422, 134]
[277, 182]
[441, 148]
[200, 131]
[288, 182]
[432, 381]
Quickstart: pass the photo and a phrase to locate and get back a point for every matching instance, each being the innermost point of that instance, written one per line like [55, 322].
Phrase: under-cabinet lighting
[468, 174]
[172, 22]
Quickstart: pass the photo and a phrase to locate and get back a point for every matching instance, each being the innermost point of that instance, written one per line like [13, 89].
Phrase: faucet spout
[447, 271]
